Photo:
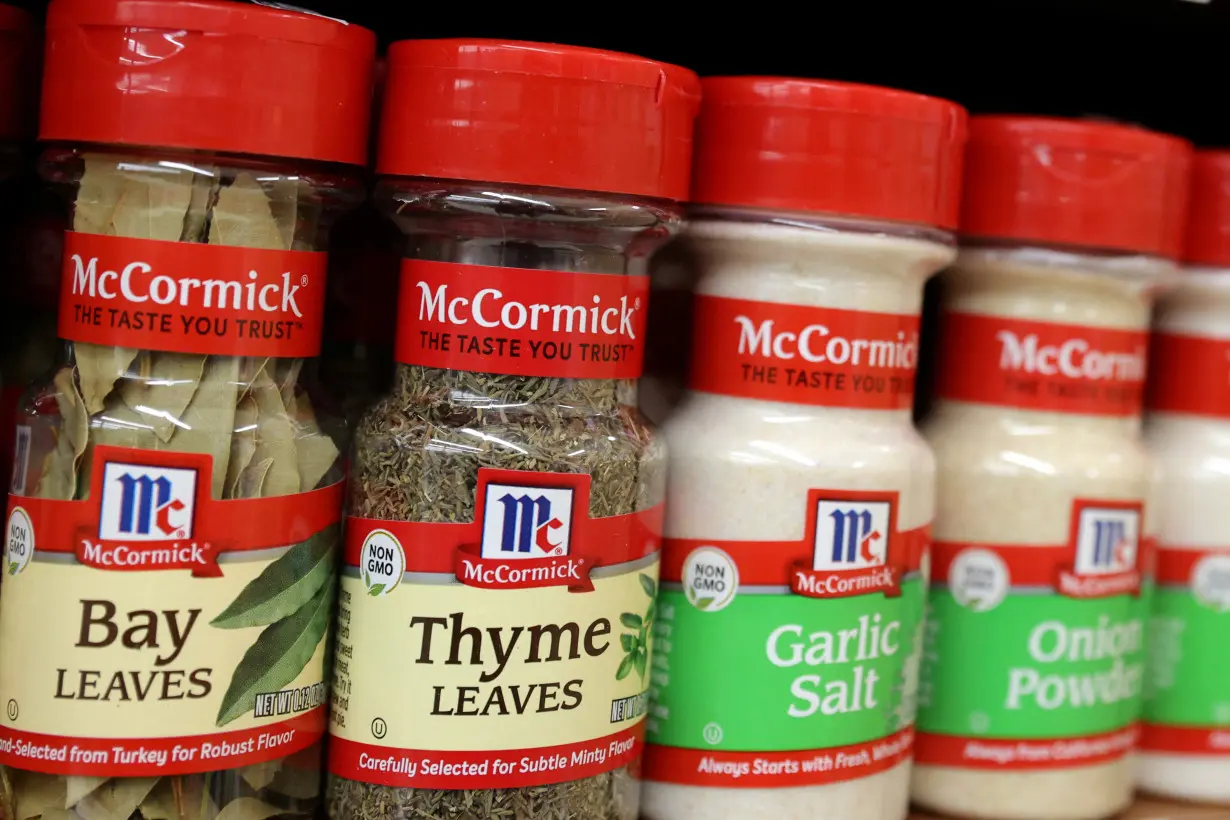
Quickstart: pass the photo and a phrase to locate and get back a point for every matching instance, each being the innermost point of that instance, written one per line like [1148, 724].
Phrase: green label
[1189, 660]
[1033, 665]
[784, 671]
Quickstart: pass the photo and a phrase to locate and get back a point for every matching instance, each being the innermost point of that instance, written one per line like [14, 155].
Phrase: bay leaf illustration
[243, 443]
[163, 396]
[98, 194]
[78, 788]
[248, 808]
[275, 438]
[243, 217]
[206, 184]
[207, 422]
[252, 480]
[37, 793]
[116, 799]
[100, 367]
[153, 205]
[284, 586]
[279, 654]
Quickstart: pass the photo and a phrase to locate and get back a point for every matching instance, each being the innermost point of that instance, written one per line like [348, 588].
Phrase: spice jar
[171, 535]
[1183, 750]
[1034, 665]
[503, 522]
[800, 494]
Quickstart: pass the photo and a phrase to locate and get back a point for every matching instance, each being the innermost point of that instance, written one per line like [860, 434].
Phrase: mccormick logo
[850, 550]
[817, 344]
[1072, 358]
[525, 523]
[1107, 552]
[526, 535]
[146, 521]
[491, 308]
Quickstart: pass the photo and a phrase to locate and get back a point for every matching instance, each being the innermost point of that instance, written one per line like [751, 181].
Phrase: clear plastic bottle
[1034, 664]
[176, 509]
[800, 494]
[508, 462]
[1185, 738]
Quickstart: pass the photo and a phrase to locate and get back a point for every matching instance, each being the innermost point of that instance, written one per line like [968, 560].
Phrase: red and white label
[191, 298]
[777, 770]
[522, 537]
[1105, 556]
[1018, 755]
[805, 355]
[1189, 374]
[1041, 365]
[521, 322]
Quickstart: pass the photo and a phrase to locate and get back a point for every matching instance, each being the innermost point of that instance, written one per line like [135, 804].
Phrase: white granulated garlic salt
[1185, 734]
[789, 627]
[1037, 619]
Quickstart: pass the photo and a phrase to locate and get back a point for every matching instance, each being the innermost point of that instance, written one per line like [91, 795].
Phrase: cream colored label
[432, 677]
[124, 671]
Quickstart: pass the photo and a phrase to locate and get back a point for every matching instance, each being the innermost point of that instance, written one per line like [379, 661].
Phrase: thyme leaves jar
[175, 519]
[1041, 560]
[502, 527]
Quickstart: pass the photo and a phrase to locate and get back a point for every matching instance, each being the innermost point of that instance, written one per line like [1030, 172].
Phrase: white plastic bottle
[789, 628]
[1035, 655]
[1185, 736]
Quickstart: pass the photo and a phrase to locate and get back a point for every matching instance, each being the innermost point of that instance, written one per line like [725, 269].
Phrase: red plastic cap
[814, 145]
[538, 115]
[1208, 215]
[1073, 182]
[207, 75]
[18, 74]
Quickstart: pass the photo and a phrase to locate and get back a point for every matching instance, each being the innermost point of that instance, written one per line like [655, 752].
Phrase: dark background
[1158, 63]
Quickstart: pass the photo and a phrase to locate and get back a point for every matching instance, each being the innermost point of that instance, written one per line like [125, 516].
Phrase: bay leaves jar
[175, 513]
[498, 595]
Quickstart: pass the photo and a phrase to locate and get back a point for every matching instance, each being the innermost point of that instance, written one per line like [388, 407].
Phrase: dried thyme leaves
[253, 417]
[417, 457]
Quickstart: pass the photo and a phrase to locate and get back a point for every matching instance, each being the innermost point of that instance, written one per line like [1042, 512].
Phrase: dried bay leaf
[164, 396]
[284, 586]
[280, 653]
[297, 782]
[75, 418]
[243, 443]
[284, 205]
[252, 481]
[316, 451]
[206, 184]
[260, 775]
[248, 808]
[243, 217]
[37, 794]
[78, 788]
[100, 367]
[116, 799]
[209, 419]
[153, 206]
[275, 439]
[159, 804]
[98, 193]
[57, 477]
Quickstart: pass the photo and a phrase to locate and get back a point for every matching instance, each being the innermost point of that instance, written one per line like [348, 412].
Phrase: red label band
[154, 757]
[1052, 753]
[804, 355]
[153, 511]
[530, 530]
[1041, 365]
[1185, 740]
[1177, 567]
[521, 322]
[484, 769]
[187, 297]
[1189, 374]
[770, 770]
[1105, 555]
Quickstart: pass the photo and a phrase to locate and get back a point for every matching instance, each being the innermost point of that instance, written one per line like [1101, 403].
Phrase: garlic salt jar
[1183, 751]
[1035, 655]
[800, 495]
